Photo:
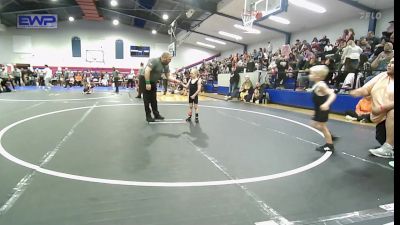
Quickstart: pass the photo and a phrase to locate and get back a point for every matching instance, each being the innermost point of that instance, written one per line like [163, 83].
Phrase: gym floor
[70, 158]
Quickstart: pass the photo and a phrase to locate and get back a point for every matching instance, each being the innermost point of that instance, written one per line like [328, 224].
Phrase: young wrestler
[322, 97]
[194, 86]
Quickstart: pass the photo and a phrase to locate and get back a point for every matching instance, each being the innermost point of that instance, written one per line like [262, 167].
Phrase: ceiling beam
[204, 5]
[146, 18]
[147, 15]
[255, 23]
[149, 10]
[2, 5]
[38, 9]
[357, 5]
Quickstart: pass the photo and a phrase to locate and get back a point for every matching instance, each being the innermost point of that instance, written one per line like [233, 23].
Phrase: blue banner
[33, 21]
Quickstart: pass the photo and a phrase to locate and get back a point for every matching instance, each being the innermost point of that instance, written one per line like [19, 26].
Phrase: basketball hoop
[248, 17]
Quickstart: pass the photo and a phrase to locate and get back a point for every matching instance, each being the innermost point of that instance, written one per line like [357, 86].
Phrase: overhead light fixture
[165, 17]
[248, 30]
[154, 31]
[205, 45]
[115, 22]
[71, 19]
[215, 41]
[234, 36]
[308, 5]
[279, 19]
[113, 3]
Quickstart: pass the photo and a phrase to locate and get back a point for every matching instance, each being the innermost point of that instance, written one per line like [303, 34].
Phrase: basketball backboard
[266, 7]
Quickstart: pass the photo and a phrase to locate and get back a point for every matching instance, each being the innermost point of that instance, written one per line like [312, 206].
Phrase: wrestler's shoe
[158, 117]
[150, 119]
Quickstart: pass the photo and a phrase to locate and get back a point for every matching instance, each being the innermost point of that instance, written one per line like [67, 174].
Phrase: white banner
[32, 21]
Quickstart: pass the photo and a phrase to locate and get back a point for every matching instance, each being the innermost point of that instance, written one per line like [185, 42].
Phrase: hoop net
[248, 17]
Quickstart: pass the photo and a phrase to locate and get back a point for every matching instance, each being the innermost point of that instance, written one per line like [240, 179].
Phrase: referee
[152, 73]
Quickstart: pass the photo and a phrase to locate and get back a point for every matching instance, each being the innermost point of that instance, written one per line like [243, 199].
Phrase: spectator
[364, 44]
[324, 41]
[331, 66]
[246, 88]
[116, 78]
[17, 75]
[350, 35]
[269, 48]
[130, 82]
[372, 40]
[48, 74]
[257, 93]
[382, 60]
[381, 89]
[389, 31]
[351, 56]
[282, 66]
[4, 81]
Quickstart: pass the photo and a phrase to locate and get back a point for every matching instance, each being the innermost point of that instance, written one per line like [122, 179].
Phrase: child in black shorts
[322, 97]
[194, 86]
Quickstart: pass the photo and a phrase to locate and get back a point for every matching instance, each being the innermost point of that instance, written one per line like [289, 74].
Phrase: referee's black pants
[150, 98]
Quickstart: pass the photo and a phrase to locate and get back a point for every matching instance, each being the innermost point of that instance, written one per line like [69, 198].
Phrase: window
[119, 49]
[76, 47]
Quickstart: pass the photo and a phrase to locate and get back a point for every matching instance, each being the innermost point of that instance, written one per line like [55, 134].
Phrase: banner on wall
[140, 51]
[37, 21]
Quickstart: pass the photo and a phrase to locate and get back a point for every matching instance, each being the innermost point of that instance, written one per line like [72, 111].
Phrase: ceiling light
[216, 41]
[71, 19]
[115, 22]
[165, 17]
[205, 45]
[248, 30]
[234, 36]
[113, 3]
[279, 19]
[154, 31]
[308, 5]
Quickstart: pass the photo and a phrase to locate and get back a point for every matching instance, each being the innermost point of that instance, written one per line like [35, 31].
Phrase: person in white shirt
[48, 74]
[131, 75]
[351, 56]
[269, 48]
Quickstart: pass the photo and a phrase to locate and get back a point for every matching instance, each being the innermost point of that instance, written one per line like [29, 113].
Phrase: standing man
[116, 78]
[269, 49]
[130, 79]
[48, 74]
[141, 80]
[17, 75]
[152, 73]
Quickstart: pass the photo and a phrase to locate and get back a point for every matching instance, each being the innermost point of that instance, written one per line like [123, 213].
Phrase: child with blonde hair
[322, 97]
[194, 86]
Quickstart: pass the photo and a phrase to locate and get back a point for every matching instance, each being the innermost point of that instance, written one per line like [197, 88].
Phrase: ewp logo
[37, 21]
